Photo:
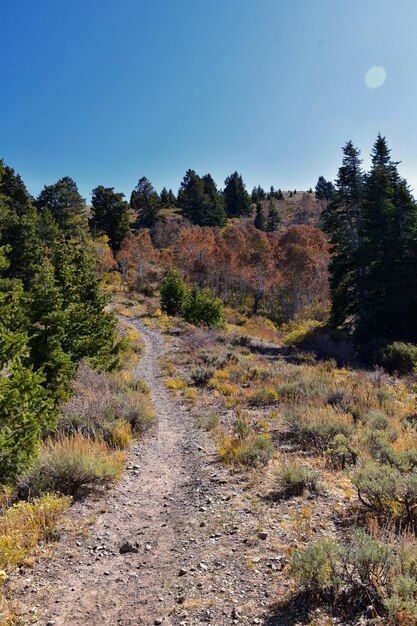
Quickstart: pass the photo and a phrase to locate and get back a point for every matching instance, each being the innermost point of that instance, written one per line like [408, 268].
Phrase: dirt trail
[108, 588]
[190, 521]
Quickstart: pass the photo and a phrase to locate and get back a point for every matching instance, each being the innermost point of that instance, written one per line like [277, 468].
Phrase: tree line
[52, 311]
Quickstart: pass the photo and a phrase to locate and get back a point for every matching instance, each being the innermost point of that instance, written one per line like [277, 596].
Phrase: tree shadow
[296, 611]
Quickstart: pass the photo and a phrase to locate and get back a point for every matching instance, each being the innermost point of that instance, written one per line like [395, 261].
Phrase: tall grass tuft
[68, 465]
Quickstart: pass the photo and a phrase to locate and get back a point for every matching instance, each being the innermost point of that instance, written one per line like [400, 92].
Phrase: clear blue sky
[107, 91]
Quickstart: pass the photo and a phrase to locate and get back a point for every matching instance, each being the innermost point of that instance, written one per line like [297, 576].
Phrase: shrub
[251, 450]
[402, 605]
[367, 564]
[69, 464]
[317, 567]
[376, 420]
[213, 359]
[362, 570]
[173, 293]
[262, 397]
[137, 411]
[176, 384]
[317, 428]
[201, 309]
[400, 357]
[341, 453]
[296, 478]
[101, 400]
[201, 375]
[387, 491]
[242, 427]
[315, 336]
[257, 451]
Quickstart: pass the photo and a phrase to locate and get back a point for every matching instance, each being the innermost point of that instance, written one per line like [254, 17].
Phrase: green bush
[361, 570]
[388, 491]
[262, 397]
[367, 564]
[201, 375]
[296, 478]
[173, 293]
[258, 451]
[341, 452]
[400, 357]
[201, 309]
[317, 568]
[318, 428]
[403, 601]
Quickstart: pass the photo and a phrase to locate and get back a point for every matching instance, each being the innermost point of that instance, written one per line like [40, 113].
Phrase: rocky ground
[180, 541]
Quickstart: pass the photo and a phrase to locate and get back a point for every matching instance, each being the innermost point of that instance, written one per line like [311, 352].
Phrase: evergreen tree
[146, 203]
[342, 222]
[195, 203]
[172, 198]
[215, 214]
[237, 202]
[110, 215]
[388, 253]
[324, 189]
[201, 309]
[258, 194]
[19, 222]
[259, 217]
[89, 329]
[165, 199]
[66, 205]
[25, 409]
[274, 218]
[173, 293]
[47, 329]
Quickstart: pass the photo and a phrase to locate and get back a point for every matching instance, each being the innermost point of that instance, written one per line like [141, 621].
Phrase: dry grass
[69, 465]
[101, 401]
[22, 527]
[25, 524]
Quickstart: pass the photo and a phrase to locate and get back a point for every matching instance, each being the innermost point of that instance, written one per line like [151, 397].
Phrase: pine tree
[388, 253]
[89, 329]
[19, 223]
[25, 408]
[215, 214]
[258, 194]
[259, 217]
[165, 199]
[236, 197]
[110, 215]
[324, 189]
[193, 200]
[342, 222]
[173, 293]
[46, 330]
[146, 203]
[172, 198]
[274, 218]
[66, 205]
